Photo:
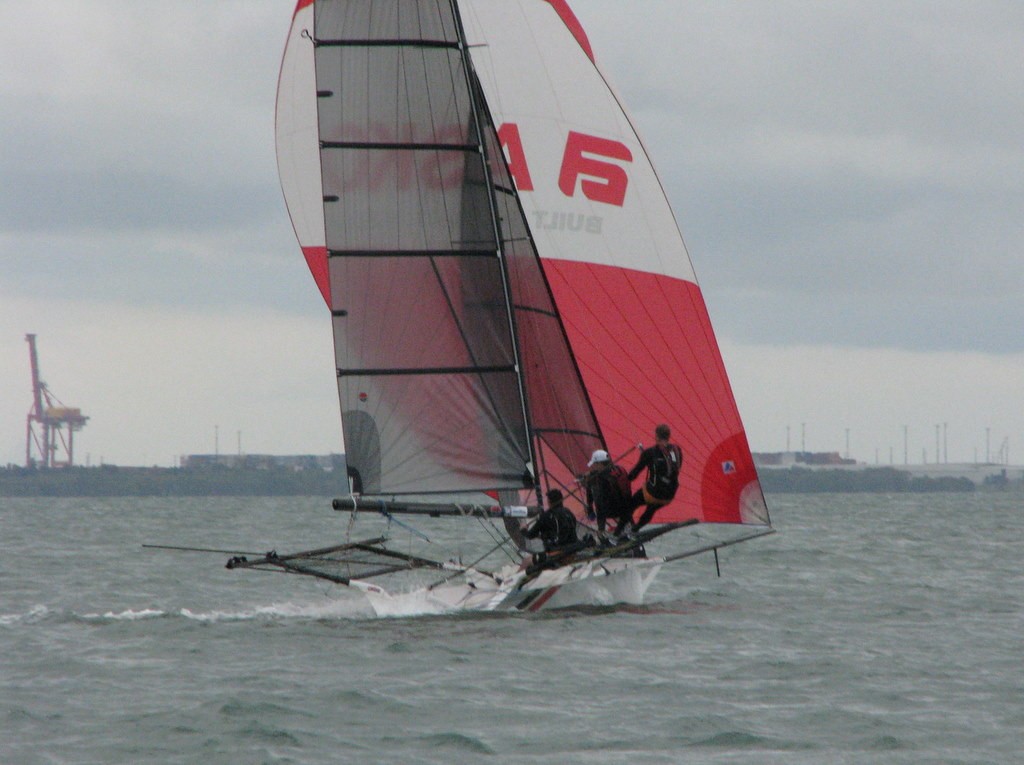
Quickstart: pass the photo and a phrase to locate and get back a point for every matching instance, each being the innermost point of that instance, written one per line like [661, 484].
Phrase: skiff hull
[590, 583]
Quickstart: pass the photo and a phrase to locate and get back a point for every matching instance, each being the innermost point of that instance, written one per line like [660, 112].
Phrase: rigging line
[352, 515]
[470, 567]
[489, 529]
[560, 323]
[543, 274]
[502, 541]
[715, 546]
[382, 509]
[531, 309]
[202, 549]
[573, 492]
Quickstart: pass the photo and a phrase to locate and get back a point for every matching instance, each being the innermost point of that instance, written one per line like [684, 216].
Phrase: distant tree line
[113, 481]
[886, 480]
[216, 480]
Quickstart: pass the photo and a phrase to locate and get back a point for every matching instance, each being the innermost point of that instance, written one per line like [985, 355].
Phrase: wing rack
[339, 563]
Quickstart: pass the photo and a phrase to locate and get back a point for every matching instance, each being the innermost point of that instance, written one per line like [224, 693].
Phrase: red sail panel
[656, 362]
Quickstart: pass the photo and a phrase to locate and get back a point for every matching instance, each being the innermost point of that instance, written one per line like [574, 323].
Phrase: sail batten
[399, 146]
[455, 253]
[385, 43]
[473, 370]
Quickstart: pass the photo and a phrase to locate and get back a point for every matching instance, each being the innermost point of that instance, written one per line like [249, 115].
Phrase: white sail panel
[579, 149]
[298, 145]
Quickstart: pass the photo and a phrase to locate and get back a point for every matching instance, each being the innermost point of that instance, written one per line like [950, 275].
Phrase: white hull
[590, 583]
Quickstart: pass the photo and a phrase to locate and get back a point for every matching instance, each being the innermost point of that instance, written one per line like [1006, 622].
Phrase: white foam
[34, 614]
[348, 608]
[130, 615]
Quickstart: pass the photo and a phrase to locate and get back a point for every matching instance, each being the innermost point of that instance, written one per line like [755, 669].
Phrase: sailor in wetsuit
[663, 461]
[556, 526]
[608, 492]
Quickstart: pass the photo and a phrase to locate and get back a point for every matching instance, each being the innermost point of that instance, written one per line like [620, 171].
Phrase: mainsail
[508, 286]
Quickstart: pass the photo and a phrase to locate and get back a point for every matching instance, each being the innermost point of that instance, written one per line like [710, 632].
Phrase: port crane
[50, 427]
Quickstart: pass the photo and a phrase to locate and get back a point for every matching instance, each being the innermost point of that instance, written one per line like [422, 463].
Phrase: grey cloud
[860, 157]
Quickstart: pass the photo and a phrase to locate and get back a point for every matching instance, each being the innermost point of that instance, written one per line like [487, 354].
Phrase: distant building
[326, 462]
[794, 459]
[980, 474]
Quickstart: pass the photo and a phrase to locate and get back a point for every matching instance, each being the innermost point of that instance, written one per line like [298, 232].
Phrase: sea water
[870, 629]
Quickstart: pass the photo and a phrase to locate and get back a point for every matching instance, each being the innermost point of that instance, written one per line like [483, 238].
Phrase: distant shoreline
[114, 481]
[216, 481]
[799, 480]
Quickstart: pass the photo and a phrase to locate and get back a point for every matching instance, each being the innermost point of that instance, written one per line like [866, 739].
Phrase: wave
[35, 614]
[337, 609]
[404, 605]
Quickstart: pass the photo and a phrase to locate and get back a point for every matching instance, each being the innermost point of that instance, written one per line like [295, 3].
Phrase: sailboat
[509, 292]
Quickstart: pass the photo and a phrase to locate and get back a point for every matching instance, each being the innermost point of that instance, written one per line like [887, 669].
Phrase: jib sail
[612, 253]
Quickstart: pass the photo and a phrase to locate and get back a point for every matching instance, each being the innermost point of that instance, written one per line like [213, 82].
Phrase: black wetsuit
[556, 527]
[608, 496]
[663, 464]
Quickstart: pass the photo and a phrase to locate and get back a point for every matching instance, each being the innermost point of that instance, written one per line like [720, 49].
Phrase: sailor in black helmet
[556, 526]
[663, 462]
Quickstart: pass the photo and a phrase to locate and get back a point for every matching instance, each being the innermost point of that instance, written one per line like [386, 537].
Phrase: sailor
[556, 526]
[608, 492]
[663, 462]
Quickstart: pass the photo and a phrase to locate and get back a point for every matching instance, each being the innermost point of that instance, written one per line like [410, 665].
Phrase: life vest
[609, 488]
[619, 481]
[663, 471]
[559, 528]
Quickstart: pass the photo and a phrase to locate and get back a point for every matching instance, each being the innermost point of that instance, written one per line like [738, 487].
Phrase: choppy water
[872, 629]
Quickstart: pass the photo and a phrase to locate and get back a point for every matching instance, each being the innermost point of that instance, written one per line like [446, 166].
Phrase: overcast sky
[847, 176]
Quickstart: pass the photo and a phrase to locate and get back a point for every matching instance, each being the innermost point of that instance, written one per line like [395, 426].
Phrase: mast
[474, 92]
